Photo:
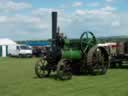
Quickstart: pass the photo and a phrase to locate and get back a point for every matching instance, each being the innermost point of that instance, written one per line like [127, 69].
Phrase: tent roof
[7, 42]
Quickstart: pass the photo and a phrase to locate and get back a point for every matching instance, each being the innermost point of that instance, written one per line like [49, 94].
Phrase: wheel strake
[97, 60]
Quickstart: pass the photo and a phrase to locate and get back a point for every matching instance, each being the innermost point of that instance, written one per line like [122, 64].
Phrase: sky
[31, 19]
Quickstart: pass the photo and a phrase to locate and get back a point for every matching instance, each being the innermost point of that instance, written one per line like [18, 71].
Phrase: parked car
[20, 50]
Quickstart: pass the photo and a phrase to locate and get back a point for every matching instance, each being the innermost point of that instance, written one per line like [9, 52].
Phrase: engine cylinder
[71, 54]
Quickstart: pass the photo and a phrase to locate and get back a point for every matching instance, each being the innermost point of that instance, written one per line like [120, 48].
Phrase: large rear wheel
[97, 61]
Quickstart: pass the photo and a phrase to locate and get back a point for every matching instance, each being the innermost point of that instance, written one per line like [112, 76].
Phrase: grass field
[17, 78]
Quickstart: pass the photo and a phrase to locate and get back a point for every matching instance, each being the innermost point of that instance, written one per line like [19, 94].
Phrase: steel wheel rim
[40, 68]
[100, 64]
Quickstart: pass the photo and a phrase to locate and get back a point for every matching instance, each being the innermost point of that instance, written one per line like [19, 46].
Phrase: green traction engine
[72, 56]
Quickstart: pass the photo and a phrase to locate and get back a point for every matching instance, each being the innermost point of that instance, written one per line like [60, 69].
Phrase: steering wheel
[87, 40]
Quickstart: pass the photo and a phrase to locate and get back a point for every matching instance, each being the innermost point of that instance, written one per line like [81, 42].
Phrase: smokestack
[54, 25]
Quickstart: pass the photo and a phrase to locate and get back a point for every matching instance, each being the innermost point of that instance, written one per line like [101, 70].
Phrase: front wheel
[41, 68]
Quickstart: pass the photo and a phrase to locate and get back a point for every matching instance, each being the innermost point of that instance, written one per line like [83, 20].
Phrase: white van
[20, 50]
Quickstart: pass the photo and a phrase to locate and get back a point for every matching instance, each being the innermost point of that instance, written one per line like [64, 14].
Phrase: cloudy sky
[31, 19]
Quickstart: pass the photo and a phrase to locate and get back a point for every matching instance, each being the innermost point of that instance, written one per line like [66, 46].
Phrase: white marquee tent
[4, 46]
[7, 42]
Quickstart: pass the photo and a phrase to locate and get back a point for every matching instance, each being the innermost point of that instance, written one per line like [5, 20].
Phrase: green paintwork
[71, 49]
[72, 44]
[74, 48]
[71, 54]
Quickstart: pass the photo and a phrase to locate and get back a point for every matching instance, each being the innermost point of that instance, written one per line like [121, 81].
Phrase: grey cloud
[9, 6]
[37, 25]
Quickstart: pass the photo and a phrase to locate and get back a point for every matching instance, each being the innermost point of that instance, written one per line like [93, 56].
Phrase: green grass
[17, 78]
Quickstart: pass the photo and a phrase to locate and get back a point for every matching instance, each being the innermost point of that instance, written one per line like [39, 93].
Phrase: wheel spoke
[87, 36]
[87, 40]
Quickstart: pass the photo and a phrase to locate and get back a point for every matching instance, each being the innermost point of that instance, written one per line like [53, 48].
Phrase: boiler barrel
[71, 54]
